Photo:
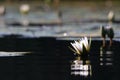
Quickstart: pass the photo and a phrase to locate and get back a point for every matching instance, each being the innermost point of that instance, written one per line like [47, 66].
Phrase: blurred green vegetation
[54, 0]
[51, 1]
[56, 3]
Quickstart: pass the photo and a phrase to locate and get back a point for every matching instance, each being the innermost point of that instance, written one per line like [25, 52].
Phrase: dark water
[51, 59]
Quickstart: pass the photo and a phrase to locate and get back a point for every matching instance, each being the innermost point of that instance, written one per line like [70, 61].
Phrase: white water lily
[24, 9]
[111, 16]
[80, 45]
[2, 10]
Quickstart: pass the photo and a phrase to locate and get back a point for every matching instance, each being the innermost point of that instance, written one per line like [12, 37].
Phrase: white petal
[74, 46]
[79, 46]
[85, 43]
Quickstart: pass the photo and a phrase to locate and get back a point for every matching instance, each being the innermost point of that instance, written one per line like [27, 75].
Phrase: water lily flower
[24, 9]
[81, 45]
[2, 10]
[111, 16]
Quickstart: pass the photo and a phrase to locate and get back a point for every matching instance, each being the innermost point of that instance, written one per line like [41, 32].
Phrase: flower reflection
[81, 46]
[81, 67]
[4, 53]
[106, 57]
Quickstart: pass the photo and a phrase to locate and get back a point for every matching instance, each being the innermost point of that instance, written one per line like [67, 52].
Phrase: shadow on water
[52, 59]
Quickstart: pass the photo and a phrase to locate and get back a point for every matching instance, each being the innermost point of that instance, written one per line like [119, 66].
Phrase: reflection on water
[4, 53]
[106, 56]
[81, 67]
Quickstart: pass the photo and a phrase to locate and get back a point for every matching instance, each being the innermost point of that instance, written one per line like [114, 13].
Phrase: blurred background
[35, 18]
